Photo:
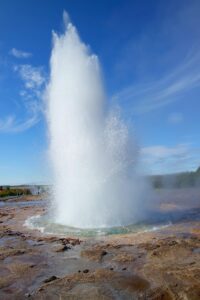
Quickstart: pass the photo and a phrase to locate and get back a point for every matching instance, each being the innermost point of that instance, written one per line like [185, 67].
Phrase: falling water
[94, 160]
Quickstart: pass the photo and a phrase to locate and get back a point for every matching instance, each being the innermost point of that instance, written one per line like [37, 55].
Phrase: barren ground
[163, 264]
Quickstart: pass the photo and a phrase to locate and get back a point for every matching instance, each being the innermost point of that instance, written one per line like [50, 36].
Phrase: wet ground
[161, 264]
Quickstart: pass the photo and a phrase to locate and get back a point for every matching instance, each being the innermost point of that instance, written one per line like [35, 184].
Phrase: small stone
[104, 253]
[85, 271]
[124, 269]
[63, 248]
[50, 279]
[172, 243]
[176, 284]
[27, 295]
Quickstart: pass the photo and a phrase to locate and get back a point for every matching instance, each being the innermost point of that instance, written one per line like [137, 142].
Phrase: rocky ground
[163, 264]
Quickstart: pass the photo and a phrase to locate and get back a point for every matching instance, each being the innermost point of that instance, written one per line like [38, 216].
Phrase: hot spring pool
[45, 224]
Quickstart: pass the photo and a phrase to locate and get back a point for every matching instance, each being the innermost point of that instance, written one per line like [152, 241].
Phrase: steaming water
[94, 160]
[45, 225]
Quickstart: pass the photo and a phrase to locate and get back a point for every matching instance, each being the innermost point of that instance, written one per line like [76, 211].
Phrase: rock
[104, 253]
[86, 271]
[6, 252]
[50, 279]
[172, 243]
[123, 257]
[95, 253]
[149, 246]
[71, 241]
[27, 295]
[63, 248]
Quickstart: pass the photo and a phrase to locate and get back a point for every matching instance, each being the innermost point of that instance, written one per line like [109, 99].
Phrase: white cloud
[160, 159]
[160, 151]
[175, 118]
[33, 79]
[20, 54]
[10, 124]
[151, 96]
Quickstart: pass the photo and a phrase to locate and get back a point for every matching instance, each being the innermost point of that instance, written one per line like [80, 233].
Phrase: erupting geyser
[94, 160]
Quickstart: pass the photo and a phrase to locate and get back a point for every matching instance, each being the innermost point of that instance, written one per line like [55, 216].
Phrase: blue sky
[150, 57]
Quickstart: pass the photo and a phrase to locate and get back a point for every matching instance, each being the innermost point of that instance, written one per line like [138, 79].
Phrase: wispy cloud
[175, 118]
[6, 123]
[33, 77]
[147, 97]
[160, 152]
[11, 124]
[19, 53]
[33, 83]
[162, 159]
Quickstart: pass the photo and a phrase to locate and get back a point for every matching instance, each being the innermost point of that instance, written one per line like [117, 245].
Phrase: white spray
[93, 158]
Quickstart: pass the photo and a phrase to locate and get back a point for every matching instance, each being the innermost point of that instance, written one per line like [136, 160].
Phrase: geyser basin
[45, 224]
[94, 158]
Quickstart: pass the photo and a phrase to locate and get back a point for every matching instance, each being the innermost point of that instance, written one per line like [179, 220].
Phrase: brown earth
[163, 264]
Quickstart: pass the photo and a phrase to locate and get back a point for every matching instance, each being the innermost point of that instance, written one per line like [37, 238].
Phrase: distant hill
[178, 180]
